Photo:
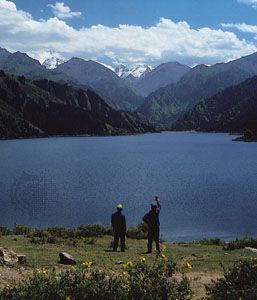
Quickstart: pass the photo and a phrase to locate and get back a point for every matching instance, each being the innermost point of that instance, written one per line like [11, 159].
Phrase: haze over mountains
[171, 95]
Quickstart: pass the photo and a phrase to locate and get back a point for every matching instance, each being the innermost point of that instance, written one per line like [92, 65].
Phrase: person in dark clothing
[118, 221]
[152, 220]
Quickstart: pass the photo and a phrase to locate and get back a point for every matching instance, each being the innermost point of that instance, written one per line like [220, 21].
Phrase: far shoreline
[239, 138]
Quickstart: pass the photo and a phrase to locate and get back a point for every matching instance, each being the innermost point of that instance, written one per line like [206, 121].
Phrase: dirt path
[198, 280]
[10, 275]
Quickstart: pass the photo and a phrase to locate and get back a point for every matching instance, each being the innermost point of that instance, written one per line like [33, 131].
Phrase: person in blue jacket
[153, 222]
[118, 221]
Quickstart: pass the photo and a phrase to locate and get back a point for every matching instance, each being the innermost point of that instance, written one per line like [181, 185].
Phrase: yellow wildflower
[87, 264]
[163, 257]
[68, 298]
[41, 271]
[129, 264]
[163, 247]
[125, 286]
[142, 259]
[188, 266]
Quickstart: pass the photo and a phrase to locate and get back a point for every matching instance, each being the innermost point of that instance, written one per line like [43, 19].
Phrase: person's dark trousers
[119, 237]
[153, 235]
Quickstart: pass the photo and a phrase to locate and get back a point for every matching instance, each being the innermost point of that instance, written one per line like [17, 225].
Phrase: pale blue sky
[191, 31]
[198, 13]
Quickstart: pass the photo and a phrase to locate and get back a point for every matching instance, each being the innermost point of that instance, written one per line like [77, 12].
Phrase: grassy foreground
[203, 258]
[201, 263]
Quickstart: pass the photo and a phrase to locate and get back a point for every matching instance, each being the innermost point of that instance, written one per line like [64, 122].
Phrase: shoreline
[239, 138]
[75, 136]
[105, 230]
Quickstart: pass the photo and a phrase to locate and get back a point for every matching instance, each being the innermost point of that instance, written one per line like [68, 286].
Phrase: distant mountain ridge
[46, 108]
[122, 93]
[103, 81]
[231, 110]
[167, 104]
[145, 79]
[161, 76]
[19, 63]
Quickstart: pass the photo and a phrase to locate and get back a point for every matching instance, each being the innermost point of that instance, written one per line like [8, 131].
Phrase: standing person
[118, 221]
[152, 220]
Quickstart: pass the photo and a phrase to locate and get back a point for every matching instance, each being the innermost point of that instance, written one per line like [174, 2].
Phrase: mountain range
[166, 105]
[94, 75]
[141, 78]
[125, 92]
[46, 108]
[180, 97]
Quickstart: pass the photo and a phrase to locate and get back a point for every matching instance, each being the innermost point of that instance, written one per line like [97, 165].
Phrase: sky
[131, 32]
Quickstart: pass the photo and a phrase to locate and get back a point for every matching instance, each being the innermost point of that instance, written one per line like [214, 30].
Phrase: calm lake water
[207, 183]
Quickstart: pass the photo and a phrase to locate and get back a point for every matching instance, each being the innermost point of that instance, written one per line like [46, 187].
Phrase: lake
[207, 183]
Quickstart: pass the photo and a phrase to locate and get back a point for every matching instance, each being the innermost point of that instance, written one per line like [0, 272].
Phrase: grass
[204, 258]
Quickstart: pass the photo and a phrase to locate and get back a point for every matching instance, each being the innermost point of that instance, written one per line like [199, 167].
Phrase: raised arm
[158, 202]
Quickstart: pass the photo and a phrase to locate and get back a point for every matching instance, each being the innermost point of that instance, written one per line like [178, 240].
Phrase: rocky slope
[232, 110]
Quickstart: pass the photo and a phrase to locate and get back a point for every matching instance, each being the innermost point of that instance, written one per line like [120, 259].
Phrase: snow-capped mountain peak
[137, 72]
[122, 71]
[141, 70]
[53, 62]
